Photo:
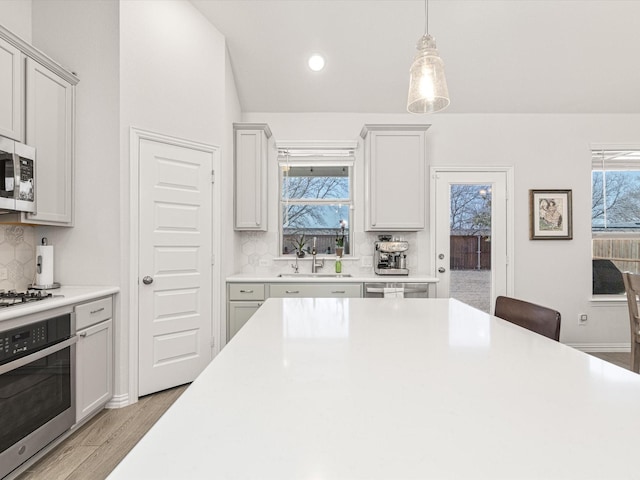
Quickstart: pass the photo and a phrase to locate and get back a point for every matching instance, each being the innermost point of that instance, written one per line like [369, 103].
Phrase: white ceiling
[501, 56]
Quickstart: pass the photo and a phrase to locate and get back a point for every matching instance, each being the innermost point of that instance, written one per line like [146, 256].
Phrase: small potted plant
[299, 244]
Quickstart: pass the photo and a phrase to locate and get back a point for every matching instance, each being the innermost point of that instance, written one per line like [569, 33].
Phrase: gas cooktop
[11, 298]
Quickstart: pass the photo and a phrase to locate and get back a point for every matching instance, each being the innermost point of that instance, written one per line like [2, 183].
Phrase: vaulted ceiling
[501, 56]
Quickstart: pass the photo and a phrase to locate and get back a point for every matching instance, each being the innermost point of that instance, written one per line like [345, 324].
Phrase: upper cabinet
[395, 177]
[41, 95]
[11, 81]
[251, 142]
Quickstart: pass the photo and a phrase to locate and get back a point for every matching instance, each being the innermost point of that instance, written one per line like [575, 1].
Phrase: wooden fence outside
[470, 252]
[623, 252]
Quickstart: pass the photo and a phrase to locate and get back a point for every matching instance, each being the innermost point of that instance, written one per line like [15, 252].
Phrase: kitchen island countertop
[393, 389]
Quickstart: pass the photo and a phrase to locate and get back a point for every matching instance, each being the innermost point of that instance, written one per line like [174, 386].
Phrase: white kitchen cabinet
[395, 177]
[11, 81]
[42, 95]
[251, 142]
[94, 354]
[239, 314]
[50, 101]
[243, 300]
[320, 290]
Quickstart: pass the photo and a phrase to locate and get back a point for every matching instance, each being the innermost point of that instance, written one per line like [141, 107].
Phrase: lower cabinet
[94, 353]
[244, 299]
[239, 313]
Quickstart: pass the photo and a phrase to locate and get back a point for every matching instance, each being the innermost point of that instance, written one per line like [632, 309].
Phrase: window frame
[312, 158]
[604, 165]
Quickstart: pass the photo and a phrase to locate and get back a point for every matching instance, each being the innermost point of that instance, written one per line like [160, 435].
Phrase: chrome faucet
[295, 266]
[314, 263]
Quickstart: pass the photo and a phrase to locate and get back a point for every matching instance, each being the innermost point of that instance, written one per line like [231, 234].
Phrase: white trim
[118, 401]
[601, 347]
[135, 136]
[318, 145]
[510, 240]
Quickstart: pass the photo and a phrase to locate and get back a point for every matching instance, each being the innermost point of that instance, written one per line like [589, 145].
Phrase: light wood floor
[98, 446]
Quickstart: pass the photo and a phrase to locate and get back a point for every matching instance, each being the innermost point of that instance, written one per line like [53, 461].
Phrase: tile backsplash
[258, 254]
[17, 256]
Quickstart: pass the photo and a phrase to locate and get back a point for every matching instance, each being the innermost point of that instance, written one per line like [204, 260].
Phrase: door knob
[441, 270]
[147, 280]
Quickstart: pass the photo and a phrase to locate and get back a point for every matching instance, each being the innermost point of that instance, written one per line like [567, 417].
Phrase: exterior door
[175, 264]
[472, 243]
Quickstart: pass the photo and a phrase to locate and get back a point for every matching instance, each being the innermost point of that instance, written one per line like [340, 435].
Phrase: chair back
[536, 318]
[632, 288]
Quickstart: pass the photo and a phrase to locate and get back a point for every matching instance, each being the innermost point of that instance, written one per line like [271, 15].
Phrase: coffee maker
[390, 256]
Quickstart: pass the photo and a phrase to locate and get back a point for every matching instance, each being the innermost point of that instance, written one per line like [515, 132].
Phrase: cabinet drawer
[246, 291]
[91, 313]
[325, 290]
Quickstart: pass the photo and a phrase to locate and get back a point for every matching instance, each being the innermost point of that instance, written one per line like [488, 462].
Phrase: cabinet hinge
[213, 176]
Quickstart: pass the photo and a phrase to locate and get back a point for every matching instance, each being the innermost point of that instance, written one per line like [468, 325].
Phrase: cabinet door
[308, 290]
[395, 163]
[94, 368]
[50, 101]
[250, 172]
[238, 314]
[10, 91]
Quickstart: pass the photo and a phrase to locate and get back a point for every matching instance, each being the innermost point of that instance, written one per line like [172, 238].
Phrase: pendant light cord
[426, 17]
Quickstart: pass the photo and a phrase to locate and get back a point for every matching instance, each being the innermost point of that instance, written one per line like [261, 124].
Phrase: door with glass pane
[470, 236]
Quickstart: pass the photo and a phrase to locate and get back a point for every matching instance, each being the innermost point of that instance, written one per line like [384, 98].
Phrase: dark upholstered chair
[536, 318]
[632, 287]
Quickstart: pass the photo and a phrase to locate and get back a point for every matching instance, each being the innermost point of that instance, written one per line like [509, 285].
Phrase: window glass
[315, 205]
[615, 218]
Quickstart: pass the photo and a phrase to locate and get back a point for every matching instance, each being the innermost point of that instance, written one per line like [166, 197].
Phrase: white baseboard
[118, 401]
[601, 347]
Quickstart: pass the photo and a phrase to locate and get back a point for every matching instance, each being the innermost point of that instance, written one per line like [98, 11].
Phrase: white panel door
[175, 281]
[471, 204]
[10, 91]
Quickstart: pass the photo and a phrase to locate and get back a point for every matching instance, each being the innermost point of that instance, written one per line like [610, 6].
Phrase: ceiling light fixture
[316, 62]
[428, 92]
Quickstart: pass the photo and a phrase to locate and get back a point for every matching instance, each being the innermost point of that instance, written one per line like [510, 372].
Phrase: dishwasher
[396, 290]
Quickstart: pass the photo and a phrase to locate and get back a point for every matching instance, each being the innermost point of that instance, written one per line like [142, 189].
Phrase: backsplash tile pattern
[17, 256]
[259, 254]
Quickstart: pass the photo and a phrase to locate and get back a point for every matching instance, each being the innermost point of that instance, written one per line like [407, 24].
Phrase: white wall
[174, 78]
[547, 152]
[16, 16]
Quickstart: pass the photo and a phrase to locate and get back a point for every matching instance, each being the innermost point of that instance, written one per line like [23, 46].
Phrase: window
[316, 201]
[615, 217]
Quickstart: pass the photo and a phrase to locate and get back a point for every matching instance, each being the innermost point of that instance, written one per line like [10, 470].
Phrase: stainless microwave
[17, 176]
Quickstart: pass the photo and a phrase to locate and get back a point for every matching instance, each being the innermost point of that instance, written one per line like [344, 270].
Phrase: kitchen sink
[314, 275]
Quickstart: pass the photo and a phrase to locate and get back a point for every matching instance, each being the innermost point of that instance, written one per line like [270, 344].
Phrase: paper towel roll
[44, 265]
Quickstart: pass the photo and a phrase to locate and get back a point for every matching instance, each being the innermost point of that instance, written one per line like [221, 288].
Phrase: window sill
[609, 300]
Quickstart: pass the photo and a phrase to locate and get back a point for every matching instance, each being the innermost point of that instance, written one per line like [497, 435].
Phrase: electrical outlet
[583, 318]
[367, 261]
[263, 262]
[3, 274]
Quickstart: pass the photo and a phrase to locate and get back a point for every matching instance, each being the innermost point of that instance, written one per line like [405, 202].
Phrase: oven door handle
[21, 362]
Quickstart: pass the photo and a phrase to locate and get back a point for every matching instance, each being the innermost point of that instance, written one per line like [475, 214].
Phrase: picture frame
[550, 215]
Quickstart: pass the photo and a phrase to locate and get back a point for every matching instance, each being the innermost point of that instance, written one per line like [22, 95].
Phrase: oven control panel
[33, 337]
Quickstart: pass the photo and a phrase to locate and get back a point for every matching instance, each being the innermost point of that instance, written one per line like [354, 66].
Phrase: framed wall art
[550, 215]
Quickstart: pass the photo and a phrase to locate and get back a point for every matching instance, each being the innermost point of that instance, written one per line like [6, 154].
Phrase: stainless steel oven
[37, 387]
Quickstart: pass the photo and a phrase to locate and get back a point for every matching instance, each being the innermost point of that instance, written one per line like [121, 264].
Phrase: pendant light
[428, 91]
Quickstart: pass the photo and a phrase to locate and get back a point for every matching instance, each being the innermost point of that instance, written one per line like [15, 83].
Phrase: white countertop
[394, 389]
[355, 278]
[62, 296]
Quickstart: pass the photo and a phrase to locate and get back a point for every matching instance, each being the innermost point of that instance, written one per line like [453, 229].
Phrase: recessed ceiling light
[316, 62]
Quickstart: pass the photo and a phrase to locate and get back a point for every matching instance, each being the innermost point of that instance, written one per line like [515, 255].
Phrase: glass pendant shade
[428, 92]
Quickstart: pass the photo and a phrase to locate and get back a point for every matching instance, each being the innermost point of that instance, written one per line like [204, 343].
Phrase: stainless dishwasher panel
[410, 290]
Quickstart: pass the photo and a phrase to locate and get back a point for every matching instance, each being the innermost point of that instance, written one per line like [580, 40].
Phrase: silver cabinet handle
[147, 280]
[98, 310]
[338, 291]
[441, 270]
[246, 291]
[292, 291]
[82, 334]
